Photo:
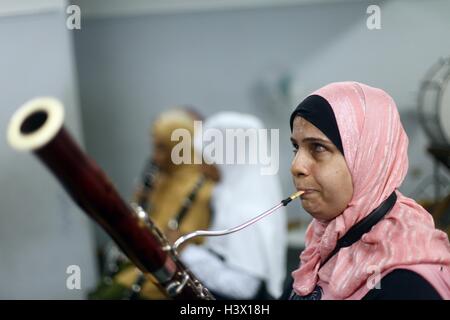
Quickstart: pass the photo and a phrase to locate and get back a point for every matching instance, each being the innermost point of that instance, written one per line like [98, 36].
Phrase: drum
[434, 116]
[434, 103]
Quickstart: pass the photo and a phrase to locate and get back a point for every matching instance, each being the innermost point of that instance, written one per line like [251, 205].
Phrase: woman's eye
[294, 148]
[317, 147]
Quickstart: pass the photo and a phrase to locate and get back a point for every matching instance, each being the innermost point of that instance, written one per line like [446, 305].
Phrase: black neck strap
[358, 230]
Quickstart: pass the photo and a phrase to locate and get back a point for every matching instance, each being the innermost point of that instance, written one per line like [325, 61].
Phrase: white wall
[131, 68]
[41, 231]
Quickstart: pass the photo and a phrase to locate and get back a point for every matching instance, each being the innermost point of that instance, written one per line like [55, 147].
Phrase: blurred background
[131, 60]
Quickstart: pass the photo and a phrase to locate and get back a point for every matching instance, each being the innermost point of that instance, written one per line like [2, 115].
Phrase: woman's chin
[311, 208]
[314, 211]
[320, 215]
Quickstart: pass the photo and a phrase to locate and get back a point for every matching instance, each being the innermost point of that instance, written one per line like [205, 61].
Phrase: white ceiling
[104, 8]
[18, 7]
[120, 7]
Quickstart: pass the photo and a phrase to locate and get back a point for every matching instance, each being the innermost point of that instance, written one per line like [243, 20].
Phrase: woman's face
[161, 153]
[319, 168]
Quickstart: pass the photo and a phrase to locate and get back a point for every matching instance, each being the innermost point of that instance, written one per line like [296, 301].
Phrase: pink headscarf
[375, 147]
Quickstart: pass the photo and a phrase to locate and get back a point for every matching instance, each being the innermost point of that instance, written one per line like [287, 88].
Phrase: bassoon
[38, 126]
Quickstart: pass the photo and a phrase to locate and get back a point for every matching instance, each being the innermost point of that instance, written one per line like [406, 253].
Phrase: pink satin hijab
[375, 147]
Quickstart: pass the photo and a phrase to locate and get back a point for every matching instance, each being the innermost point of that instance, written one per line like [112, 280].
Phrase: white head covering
[243, 193]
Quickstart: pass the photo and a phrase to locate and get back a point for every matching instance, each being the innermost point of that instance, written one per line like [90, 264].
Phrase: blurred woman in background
[249, 264]
[176, 197]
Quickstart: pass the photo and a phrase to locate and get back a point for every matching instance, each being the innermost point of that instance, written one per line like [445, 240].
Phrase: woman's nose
[300, 165]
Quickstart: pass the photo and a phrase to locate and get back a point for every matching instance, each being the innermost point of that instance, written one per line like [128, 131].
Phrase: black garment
[402, 284]
[318, 111]
[399, 284]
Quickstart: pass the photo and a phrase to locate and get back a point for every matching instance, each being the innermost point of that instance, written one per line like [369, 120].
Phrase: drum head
[434, 103]
[445, 111]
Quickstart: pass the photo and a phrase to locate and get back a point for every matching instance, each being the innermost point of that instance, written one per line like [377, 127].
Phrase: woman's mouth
[306, 192]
